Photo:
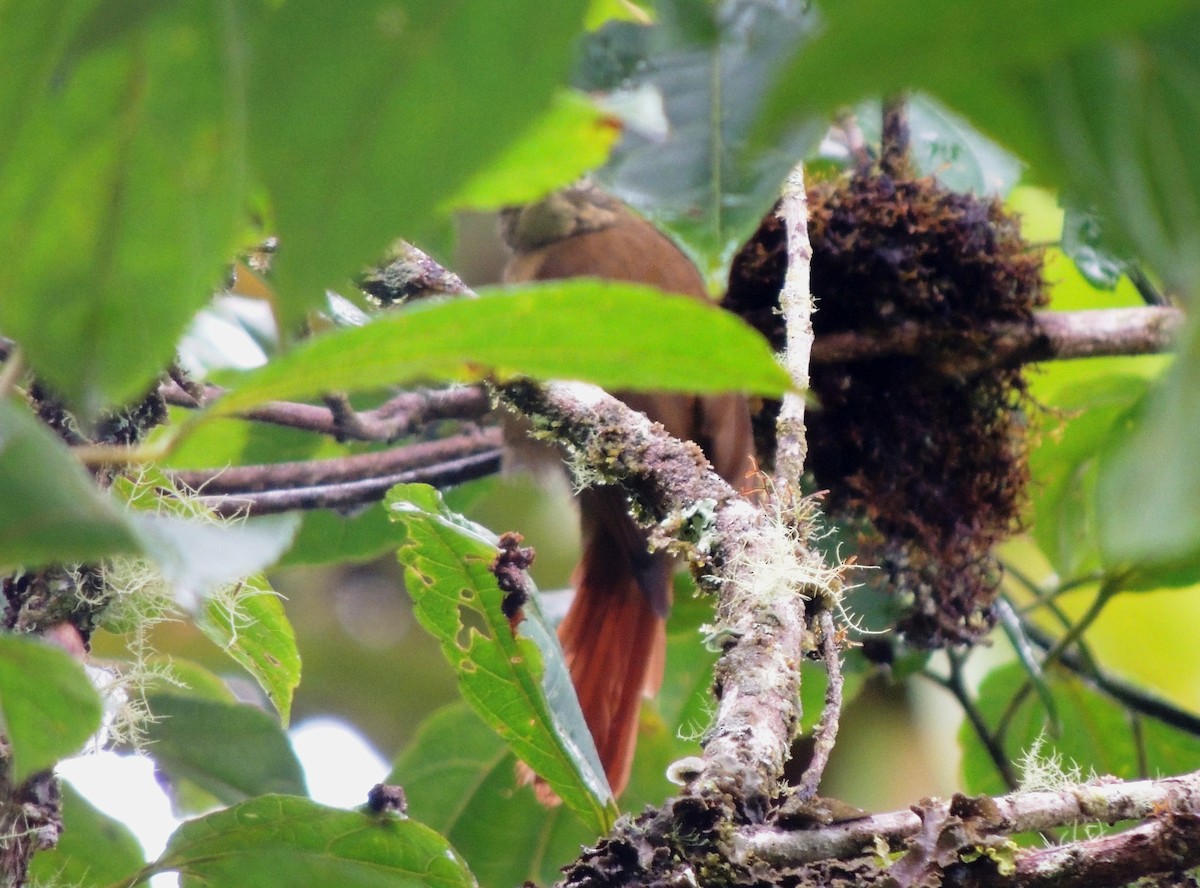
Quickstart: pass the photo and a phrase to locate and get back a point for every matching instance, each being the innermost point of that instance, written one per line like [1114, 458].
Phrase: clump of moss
[923, 452]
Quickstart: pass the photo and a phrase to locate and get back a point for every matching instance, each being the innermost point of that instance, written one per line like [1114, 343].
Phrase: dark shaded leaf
[1083, 241]
[708, 63]
[230, 750]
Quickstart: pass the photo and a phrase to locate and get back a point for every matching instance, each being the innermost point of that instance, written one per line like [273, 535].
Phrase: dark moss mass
[924, 452]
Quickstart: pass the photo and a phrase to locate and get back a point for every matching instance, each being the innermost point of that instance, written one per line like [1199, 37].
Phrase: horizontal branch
[401, 415]
[347, 480]
[348, 494]
[1053, 335]
[1172, 806]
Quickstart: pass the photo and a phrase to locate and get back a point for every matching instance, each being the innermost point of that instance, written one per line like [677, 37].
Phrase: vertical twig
[796, 306]
[825, 733]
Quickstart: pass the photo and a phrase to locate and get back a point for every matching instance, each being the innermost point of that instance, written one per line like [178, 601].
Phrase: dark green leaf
[52, 509]
[93, 850]
[231, 751]
[1101, 99]
[367, 115]
[615, 335]
[280, 840]
[516, 680]
[572, 138]
[250, 625]
[708, 62]
[460, 778]
[1113, 126]
[945, 145]
[121, 174]
[880, 47]
[49, 707]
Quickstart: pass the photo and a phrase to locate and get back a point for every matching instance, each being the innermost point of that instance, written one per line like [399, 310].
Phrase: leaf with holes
[516, 681]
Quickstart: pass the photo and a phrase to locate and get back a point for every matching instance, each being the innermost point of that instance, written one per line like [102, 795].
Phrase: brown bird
[614, 634]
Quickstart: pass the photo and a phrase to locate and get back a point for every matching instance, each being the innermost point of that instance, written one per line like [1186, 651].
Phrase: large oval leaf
[613, 334]
[283, 840]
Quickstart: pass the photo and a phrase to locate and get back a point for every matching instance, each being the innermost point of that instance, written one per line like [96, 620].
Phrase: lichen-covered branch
[754, 563]
[940, 836]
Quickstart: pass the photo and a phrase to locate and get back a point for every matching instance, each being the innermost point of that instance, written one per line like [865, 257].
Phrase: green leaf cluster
[145, 145]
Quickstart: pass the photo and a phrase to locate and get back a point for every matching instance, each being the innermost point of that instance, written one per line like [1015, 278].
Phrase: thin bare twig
[399, 416]
[1053, 336]
[349, 494]
[825, 733]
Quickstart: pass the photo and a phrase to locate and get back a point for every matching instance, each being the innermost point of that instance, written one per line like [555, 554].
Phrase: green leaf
[573, 137]
[327, 537]
[52, 509]
[251, 626]
[230, 750]
[1064, 467]
[459, 777]
[280, 840]
[384, 110]
[93, 849]
[516, 681]
[1149, 481]
[48, 705]
[1083, 241]
[707, 62]
[880, 47]
[615, 335]
[1096, 732]
[122, 177]
[1114, 124]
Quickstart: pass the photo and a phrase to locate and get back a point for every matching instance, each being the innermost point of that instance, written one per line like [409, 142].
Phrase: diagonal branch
[753, 563]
